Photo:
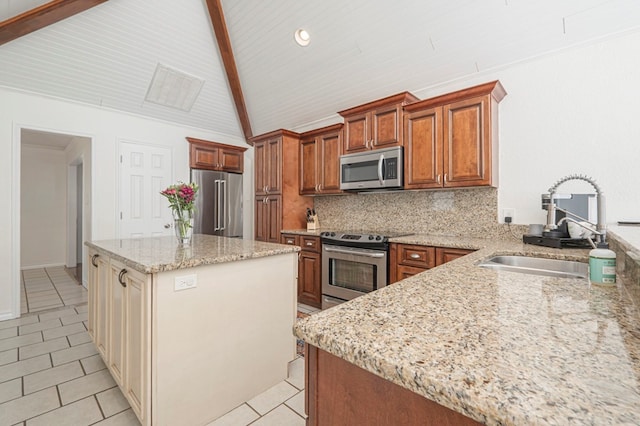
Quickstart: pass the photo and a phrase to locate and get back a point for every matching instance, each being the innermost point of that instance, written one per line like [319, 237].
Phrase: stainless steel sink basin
[537, 266]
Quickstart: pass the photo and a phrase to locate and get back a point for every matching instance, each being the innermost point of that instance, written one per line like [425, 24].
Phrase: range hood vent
[174, 89]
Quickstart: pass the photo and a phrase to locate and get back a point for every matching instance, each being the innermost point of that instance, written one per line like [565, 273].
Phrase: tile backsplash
[469, 212]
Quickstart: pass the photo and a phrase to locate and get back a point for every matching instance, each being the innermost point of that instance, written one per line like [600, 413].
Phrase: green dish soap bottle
[602, 265]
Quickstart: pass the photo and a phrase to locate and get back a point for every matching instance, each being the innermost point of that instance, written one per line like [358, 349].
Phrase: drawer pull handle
[415, 256]
[289, 241]
[93, 260]
[120, 278]
[309, 243]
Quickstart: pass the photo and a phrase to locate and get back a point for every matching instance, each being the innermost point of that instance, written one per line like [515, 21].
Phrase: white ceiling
[57, 141]
[360, 50]
[11, 8]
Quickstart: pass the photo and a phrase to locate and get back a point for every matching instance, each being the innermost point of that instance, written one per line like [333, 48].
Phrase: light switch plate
[185, 282]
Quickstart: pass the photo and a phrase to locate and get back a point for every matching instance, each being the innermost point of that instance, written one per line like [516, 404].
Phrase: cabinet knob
[415, 256]
[121, 276]
[93, 260]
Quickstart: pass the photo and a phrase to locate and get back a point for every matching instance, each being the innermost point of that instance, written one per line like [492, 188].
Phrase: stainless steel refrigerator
[218, 203]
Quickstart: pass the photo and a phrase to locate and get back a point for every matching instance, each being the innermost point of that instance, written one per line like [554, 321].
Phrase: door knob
[167, 225]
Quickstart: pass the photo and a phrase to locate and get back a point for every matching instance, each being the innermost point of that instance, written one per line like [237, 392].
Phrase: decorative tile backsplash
[470, 212]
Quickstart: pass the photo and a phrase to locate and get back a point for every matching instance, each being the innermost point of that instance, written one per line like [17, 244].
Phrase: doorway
[54, 187]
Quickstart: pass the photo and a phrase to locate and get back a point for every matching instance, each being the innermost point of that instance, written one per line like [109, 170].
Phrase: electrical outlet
[185, 282]
[511, 213]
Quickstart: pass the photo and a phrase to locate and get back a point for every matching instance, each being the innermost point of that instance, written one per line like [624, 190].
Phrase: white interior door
[145, 170]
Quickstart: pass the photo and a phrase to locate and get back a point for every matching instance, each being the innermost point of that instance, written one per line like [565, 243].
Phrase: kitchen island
[189, 333]
[478, 345]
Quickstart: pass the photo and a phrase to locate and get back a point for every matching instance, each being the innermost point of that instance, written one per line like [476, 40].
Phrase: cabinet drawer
[417, 256]
[310, 243]
[290, 239]
[407, 271]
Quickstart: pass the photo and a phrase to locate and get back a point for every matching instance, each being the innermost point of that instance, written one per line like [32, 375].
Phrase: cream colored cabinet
[98, 274]
[119, 324]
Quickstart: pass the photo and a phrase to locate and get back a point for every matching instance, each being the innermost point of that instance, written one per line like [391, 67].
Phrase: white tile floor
[51, 374]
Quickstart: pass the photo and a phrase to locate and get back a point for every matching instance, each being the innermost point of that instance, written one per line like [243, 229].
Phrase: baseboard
[49, 265]
[7, 316]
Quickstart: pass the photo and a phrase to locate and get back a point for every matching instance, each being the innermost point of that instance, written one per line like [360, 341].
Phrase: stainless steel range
[353, 263]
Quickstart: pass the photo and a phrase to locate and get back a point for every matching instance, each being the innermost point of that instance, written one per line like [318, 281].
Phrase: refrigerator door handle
[217, 206]
[223, 205]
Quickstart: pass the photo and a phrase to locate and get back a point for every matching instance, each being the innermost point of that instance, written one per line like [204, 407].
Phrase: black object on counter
[556, 242]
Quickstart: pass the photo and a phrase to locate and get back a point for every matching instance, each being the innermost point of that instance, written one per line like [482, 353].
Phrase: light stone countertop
[503, 348]
[158, 254]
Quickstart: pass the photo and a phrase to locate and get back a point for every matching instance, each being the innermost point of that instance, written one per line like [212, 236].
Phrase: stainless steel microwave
[377, 169]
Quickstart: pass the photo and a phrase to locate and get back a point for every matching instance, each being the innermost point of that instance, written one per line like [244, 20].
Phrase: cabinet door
[467, 143]
[231, 160]
[330, 148]
[204, 157]
[423, 149]
[274, 218]
[309, 285]
[273, 167]
[357, 134]
[102, 305]
[308, 166]
[92, 276]
[444, 255]
[386, 130]
[261, 217]
[117, 320]
[137, 342]
[260, 163]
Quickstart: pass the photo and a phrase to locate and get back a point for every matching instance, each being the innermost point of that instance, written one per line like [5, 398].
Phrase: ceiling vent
[173, 88]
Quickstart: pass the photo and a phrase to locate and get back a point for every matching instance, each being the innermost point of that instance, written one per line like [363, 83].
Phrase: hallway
[47, 288]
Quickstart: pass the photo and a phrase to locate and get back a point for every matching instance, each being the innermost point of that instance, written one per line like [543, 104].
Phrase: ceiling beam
[226, 52]
[42, 16]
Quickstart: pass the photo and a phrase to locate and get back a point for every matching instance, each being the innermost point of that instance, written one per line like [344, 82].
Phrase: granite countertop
[158, 254]
[500, 347]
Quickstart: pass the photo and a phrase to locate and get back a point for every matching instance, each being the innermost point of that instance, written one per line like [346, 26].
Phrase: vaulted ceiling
[360, 50]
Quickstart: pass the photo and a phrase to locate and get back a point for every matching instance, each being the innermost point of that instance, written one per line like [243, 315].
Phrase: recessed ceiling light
[302, 37]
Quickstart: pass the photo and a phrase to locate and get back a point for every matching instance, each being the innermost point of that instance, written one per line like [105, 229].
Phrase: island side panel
[223, 342]
[340, 393]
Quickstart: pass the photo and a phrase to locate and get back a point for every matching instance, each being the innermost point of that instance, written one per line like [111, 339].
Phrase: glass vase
[183, 225]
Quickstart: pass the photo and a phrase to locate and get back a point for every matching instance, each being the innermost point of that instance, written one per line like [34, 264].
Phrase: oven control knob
[333, 234]
[371, 237]
[378, 238]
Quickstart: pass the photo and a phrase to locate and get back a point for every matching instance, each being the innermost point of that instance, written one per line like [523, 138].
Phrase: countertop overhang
[500, 347]
[160, 254]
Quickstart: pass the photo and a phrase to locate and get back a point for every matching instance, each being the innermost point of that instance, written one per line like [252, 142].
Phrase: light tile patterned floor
[51, 374]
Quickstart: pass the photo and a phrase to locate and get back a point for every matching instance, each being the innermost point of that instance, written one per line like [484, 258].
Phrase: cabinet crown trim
[400, 98]
[212, 144]
[314, 132]
[493, 88]
[274, 134]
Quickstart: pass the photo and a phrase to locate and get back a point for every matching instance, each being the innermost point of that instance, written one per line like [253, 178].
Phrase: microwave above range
[371, 170]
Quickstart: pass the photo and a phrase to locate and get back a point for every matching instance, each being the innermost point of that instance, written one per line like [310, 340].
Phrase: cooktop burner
[362, 237]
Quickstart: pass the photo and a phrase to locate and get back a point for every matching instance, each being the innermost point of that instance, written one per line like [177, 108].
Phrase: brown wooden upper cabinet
[376, 124]
[268, 162]
[209, 155]
[452, 140]
[319, 160]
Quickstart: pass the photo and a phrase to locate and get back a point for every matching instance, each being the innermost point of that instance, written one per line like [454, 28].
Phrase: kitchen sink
[537, 266]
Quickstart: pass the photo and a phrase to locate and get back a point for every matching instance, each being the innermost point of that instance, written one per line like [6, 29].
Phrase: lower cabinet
[309, 268]
[119, 323]
[340, 393]
[406, 260]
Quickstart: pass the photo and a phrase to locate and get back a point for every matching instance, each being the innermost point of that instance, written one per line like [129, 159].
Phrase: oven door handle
[353, 252]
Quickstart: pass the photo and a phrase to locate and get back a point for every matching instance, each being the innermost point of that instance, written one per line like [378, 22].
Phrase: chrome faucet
[601, 226]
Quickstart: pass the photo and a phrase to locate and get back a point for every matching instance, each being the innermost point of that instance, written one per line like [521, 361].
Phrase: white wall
[43, 207]
[105, 128]
[575, 111]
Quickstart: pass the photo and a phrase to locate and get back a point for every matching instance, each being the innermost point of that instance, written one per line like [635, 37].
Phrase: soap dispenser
[602, 265]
